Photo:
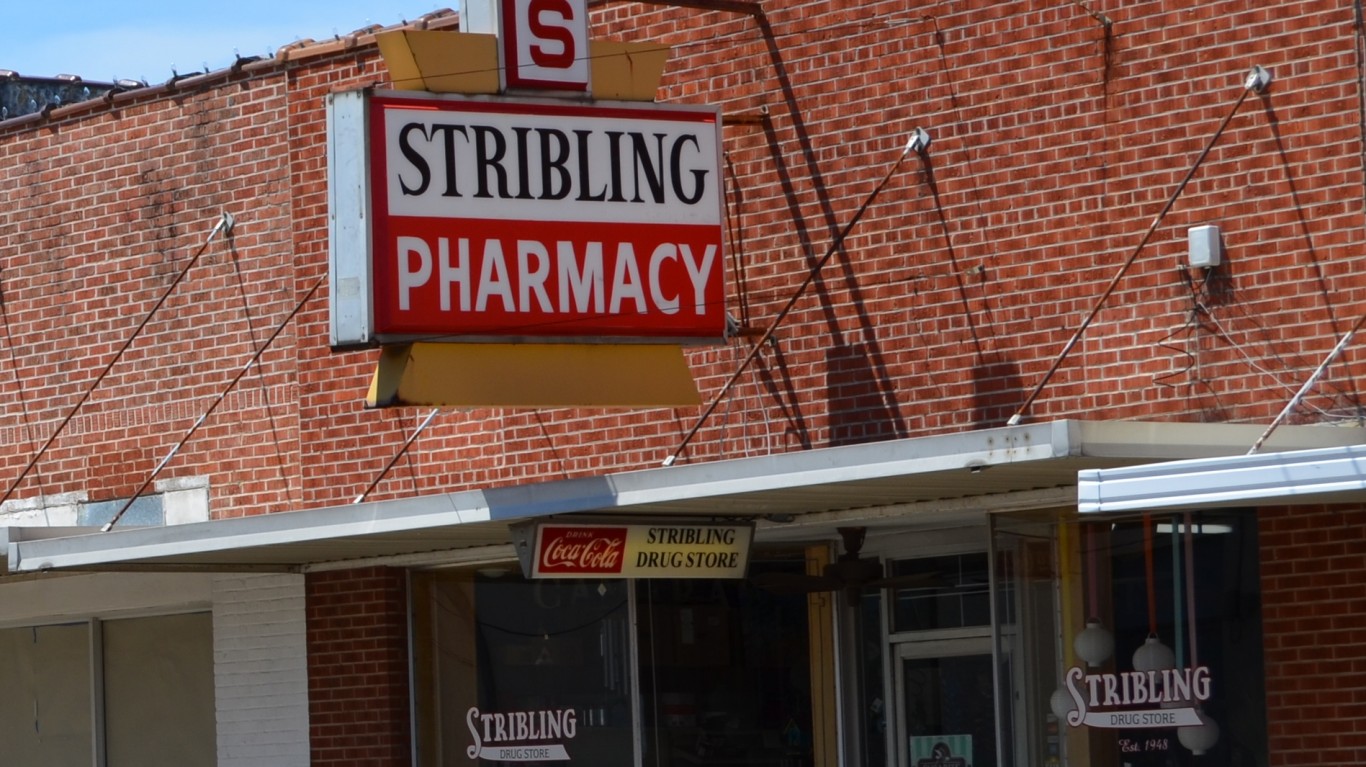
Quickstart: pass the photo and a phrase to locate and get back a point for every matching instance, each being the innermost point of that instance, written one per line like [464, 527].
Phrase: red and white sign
[544, 44]
[526, 219]
[641, 551]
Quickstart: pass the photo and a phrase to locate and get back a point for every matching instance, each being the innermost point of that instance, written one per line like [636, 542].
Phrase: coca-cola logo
[580, 550]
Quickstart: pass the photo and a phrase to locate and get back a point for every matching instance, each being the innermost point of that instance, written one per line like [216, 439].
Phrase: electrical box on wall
[1206, 246]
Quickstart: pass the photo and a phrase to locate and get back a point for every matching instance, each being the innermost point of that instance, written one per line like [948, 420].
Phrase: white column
[260, 670]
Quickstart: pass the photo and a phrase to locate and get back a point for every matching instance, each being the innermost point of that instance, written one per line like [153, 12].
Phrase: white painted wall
[260, 670]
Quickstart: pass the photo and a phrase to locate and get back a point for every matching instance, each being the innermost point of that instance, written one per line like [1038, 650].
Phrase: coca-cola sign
[640, 551]
[582, 550]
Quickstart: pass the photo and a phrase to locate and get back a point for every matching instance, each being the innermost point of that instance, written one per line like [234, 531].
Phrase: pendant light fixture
[1061, 703]
[1094, 644]
[1201, 737]
[1152, 655]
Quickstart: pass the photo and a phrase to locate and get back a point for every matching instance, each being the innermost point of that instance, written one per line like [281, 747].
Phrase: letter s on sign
[544, 44]
[550, 57]
[471, 721]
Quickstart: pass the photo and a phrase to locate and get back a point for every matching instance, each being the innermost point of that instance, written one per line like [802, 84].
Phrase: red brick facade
[358, 668]
[1059, 130]
[1315, 633]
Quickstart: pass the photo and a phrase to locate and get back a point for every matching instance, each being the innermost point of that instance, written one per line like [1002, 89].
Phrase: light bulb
[1152, 655]
[1061, 703]
[1201, 737]
[1094, 644]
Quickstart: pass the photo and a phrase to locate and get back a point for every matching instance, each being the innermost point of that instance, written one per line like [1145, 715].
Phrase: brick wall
[1315, 634]
[358, 668]
[103, 214]
[1057, 141]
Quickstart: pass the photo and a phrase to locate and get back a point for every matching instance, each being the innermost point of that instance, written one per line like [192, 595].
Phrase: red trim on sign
[689, 114]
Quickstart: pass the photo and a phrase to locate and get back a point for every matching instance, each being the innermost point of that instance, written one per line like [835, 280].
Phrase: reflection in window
[950, 694]
[870, 710]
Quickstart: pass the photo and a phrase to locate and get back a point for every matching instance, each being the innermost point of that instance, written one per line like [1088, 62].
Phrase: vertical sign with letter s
[544, 44]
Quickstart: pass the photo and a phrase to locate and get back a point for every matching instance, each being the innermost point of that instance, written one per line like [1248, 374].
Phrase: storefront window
[725, 669]
[954, 593]
[513, 671]
[868, 719]
[1141, 637]
[508, 670]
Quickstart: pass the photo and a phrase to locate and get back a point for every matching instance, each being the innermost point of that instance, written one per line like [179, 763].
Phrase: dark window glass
[543, 670]
[871, 718]
[516, 671]
[945, 592]
[948, 710]
[725, 673]
[1176, 610]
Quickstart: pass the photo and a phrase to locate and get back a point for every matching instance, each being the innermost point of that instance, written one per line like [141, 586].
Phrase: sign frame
[360, 220]
[667, 548]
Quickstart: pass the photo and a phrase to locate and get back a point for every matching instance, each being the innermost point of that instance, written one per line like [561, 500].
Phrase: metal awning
[943, 479]
[1328, 475]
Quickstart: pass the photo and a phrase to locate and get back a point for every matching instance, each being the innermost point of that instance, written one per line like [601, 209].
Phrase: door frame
[972, 640]
[969, 642]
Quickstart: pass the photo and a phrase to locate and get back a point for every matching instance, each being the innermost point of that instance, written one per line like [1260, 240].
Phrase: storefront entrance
[708, 672]
[660, 673]
[939, 642]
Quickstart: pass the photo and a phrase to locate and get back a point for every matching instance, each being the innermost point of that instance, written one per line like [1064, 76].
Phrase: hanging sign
[544, 44]
[464, 218]
[639, 551]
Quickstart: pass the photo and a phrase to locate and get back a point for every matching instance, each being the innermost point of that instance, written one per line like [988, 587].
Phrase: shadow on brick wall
[861, 407]
[996, 393]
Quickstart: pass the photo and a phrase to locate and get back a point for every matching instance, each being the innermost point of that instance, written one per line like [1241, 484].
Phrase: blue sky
[148, 39]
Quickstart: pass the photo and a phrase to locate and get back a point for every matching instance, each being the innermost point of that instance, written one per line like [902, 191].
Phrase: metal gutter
[1336, 474]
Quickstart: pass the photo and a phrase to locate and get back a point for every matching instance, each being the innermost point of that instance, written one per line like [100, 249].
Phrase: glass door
[947, 710]
[941, 663]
